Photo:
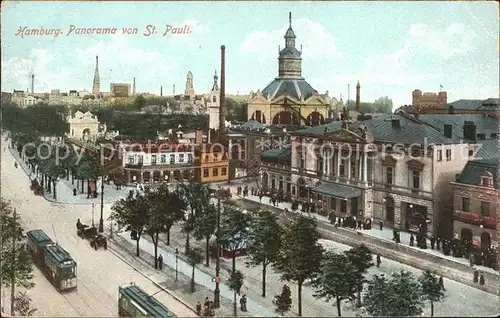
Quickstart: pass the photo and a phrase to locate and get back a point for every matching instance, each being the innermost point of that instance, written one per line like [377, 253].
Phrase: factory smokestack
[222, 107]
[161, 90]
[33, 84]
[358, 97]
[173, 89]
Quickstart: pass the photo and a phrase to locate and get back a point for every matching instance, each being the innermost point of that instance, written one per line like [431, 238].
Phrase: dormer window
[487, 180]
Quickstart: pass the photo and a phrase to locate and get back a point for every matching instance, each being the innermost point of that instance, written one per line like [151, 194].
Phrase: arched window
[389, 209]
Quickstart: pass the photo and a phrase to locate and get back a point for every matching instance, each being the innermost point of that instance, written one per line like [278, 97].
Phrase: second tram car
[135, 302]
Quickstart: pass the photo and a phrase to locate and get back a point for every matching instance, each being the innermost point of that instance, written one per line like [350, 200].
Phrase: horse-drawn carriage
[36, 187]
[90, 233]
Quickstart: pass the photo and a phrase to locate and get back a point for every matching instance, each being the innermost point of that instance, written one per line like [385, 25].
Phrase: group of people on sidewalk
[208, 308]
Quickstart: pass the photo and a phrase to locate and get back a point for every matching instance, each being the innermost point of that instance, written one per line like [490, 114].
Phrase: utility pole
[13, 272]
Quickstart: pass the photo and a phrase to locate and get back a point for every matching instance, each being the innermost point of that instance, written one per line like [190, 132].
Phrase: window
[140, 159]
[163, 158]
[153, 159]
[223, 172]
[415, 179]
[465, 204]
[302, 161]
[319, 167]
[215, 172]
[190, 158]
[172, 159]
[486, 181]
[181, 157]
[389, 175]
[448, 154]
[342, 168]
[205, 173]
[343, 206]
[131, 160]
[485, 208]
[439, 155]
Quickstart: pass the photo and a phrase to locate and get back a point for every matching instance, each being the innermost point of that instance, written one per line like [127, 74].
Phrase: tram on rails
[53, 260]
[135, 302]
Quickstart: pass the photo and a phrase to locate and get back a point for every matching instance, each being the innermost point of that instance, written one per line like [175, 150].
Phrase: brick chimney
[222, 99]
[358, 96]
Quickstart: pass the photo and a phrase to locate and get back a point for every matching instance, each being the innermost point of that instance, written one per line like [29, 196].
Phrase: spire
[290, 19]
[96, 87]
[290, 63]
[215, 87]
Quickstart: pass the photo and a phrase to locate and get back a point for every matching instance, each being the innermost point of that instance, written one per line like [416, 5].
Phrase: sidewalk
[385, 234]
[201, 278]
[64, 189]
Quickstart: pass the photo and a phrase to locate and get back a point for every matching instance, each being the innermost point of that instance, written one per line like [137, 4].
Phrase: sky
[392, 48]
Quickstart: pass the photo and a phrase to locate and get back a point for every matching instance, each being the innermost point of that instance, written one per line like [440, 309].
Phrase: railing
[163, 165]
[402, 191]
[474, 218]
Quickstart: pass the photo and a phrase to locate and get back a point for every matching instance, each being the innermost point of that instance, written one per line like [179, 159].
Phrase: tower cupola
[290, 61]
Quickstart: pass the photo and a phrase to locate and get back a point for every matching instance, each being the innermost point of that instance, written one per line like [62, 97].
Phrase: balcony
[411, 192]
[475, 218]
[162, 165]
[134, 165]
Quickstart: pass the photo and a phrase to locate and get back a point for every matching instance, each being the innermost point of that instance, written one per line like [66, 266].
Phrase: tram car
[54, 261]
[135, 302]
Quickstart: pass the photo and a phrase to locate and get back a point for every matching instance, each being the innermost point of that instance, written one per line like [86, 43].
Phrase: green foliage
[195, 256]
[195, 195]
[283, 302]
[140, 102]
[300, 256]
[235, 281]
[14, 259]
[361, 257]
[205, 225]
[264, 242]
[234, 229]
[131, 213]
[41, 119]
[338, 279]
[23, 305]
[236, 110]
[399, 296]
[87, 169]
[431, 288]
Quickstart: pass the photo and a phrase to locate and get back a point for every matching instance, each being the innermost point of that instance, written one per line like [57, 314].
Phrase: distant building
[83, 126]
[214, 165]
[120, 90]
[189, 102]
[424, 102]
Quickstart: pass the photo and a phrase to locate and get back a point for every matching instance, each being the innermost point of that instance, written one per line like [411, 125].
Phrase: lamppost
[217, 264]
[176, 264]
[92, 214]
[101, 221]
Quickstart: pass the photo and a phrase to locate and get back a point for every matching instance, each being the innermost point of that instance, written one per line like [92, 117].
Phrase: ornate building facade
[289, 99]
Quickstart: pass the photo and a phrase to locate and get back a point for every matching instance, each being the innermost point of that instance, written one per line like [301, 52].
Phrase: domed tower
[290, 61]
[189, 91]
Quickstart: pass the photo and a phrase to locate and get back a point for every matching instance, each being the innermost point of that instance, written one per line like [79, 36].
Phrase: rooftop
[488, 149]
[59, 254]
[474, 170]
[484, 124]
[39, 237]
[281, 154]
[473, 104]
[150, 304]
[295, 87]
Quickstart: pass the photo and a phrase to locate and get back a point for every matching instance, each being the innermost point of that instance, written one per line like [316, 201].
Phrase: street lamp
[176, 264]
[101, 221]
[217, 264]
[93, 215]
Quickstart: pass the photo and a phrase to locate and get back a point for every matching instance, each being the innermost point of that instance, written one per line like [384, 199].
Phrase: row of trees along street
[16, 267]
[291, 248]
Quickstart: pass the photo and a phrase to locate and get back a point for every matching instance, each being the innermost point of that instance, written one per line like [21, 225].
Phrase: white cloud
[16, 72]
[317, 42]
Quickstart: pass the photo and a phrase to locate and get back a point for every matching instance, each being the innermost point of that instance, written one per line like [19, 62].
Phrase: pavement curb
[117, 254]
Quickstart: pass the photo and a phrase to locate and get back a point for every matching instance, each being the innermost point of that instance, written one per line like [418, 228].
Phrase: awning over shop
[337, 191]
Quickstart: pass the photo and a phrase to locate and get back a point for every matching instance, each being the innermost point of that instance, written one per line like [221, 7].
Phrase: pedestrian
[412, 240]
[160, 262]
[207, 302]
[198, 308]
[74, 192]
[360, 223]
[433, 241]
[441, 282]
[481, 279]
[378, 260]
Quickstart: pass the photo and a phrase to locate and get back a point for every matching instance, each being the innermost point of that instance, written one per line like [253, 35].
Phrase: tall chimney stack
[173, 89]
[161, 90]
[32, 83]
[222, 107]
[133, 88]
[358, 87]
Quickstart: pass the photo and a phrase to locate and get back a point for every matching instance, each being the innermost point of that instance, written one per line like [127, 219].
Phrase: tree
[300, 255]
[383, 105]
[23, 305]
[15, 262]
[205, 225]
[166, 207]
[400, 296]
[139, 102]
[264, 242]
[235, 283]
[234, 230]
[338, 278]
[195, 257]
[431, 288]
[283, 302]
[361, 257]
[195, 194]
[131, 213]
